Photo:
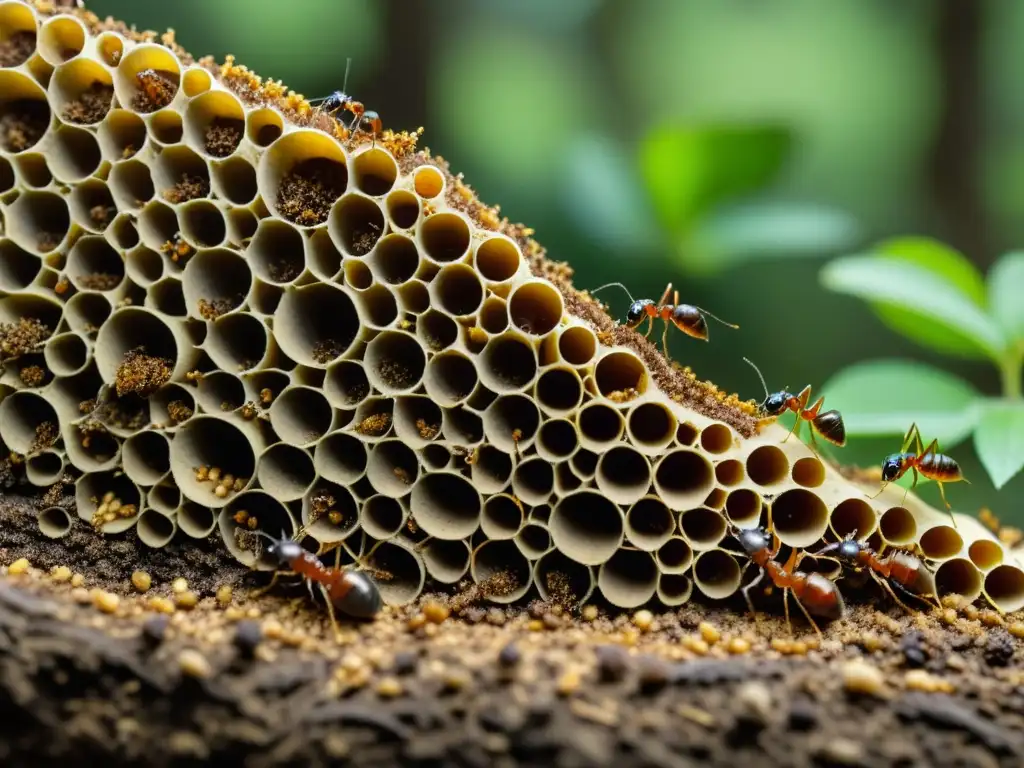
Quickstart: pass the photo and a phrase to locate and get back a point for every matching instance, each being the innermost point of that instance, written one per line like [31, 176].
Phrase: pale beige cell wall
[380, 378]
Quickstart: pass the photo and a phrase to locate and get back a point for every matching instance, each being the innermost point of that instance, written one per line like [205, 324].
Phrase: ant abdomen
[822, 598]
[359, 596]
[830, 426]
[690, 321]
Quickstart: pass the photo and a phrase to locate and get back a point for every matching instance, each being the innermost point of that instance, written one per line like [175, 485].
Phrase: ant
[930, 463]
[903, 569]
[339, 101]
[828, 424]
[813, 592]
[686, 317]
[350, 591]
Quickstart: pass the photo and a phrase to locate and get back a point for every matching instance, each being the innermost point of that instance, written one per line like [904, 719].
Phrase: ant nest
[224, 315]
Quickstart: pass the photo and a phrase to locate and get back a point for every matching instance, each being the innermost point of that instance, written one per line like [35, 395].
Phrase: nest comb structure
[219, 314]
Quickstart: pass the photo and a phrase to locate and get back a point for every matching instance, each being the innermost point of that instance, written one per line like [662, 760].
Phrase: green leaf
[955, 269]
[884, 397]
[745, 231]
[999, 441]
[689, 170]
[1006, 293]
[908, 286]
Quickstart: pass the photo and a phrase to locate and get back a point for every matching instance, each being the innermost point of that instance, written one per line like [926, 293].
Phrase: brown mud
[91, 670]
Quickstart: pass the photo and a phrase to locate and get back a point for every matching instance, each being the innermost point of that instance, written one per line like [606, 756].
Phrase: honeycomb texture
[221, 315]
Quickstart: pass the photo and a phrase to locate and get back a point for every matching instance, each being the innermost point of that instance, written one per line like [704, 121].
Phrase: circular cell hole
[767, 465]
[502, 517]
[958, 576]
[203, 224]
[600, 423]
[649, 524]
[675, 556]
[54, 522]
[38, 221]
[458, 291]
[853, 515]
[437, 330]
[346, 385]
[808, 472]
[651, 424]
[132, 184]
[557, 439]
[167, 128]
[216, 282]
[356, 224]
[444, 237]
[450, 378]
[686, 434]
[536, 308]
[18, 267]
[235, 181]
[683, 479]
[340, 458]
[491, 469]
[534, 481]
[428, 182]
[577, 345]
[716, 573]
[534, 541]
[799, 517]
[511, 423]
[898, 526]
[501, 570]
[585, 463]
[703, 528]
[378, 304]
[729, 472]
[743, 507]
[498, 259]
[559, 390]
[146, 457]
[121, 135]
[396, 259]
[264, 126]
[405, 570]
[446, 505]
[382, 517]
[587, 527]
[716, 438]
[301, 415]
[208, 441]
[395, 362]
[316, 324]
[1004, 587]
[462, 426]
[508, 364]
[623, 474]
[985, 554]
[93, 265]
[392, 468]
[563, 581]
[403, 209]
[237, 342]
[286, 472]
[75, 155]
[494, 316]
[629, 579]
[620, 373]
[436, 456]
[374, 172]
[940, 542]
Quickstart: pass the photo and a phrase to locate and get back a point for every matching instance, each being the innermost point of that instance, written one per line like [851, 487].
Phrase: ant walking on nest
[813, 592]
[929, 463]
[902, 568]
[340, 101]
[348, 590]
[828, 424]
[686, 317]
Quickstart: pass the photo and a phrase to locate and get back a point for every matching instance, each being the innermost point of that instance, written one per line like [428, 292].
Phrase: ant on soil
[686, 317]
[828, 424]
[339, 101]
[348, 590]
[902, 568]
[930, 463]
[813, 592]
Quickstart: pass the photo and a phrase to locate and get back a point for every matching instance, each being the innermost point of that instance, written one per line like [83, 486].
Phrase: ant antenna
[758, 370]
[729, 325]
[344, 83]
[609, 285]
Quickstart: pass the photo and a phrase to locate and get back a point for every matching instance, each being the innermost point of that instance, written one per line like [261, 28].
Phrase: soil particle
[309, 190]
[17, 48]
[914, 650]
[156, 90]
[223, 136]
[999, 649]
[188, 188]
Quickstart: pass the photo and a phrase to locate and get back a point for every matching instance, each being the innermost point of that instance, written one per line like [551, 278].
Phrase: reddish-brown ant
[930, 463]
[828, 424]
[813, 592]
[351, 592]
[339, 101]
[686, 317]
[902, 568]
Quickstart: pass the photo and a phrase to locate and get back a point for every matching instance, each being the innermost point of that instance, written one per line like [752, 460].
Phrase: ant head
[284, 550]
[848, 549]
[892, 466]
[775, 404]
[753, 539]
[637, 312]
[335, 101]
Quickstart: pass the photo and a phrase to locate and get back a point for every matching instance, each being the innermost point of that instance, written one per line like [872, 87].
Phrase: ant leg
[750, 603]
[785, 610]
[949, 509]
[884, 485]
[664, 296]
[807, 615]
[913, 485]
[664, 339]
[892, 593]
[922, 598]
[330, 614]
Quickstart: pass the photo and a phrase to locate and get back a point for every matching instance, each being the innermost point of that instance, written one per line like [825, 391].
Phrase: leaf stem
[1011, 373]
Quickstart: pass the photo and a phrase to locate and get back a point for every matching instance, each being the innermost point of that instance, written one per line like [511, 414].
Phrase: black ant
[828, 424]
[902, 568]
[930, 463]
[813, 592]
[350, 591]
[339, 101]
[686, 317]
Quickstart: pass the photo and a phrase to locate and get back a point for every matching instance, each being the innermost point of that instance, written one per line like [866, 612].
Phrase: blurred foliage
[934, 295]
[545, 106]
